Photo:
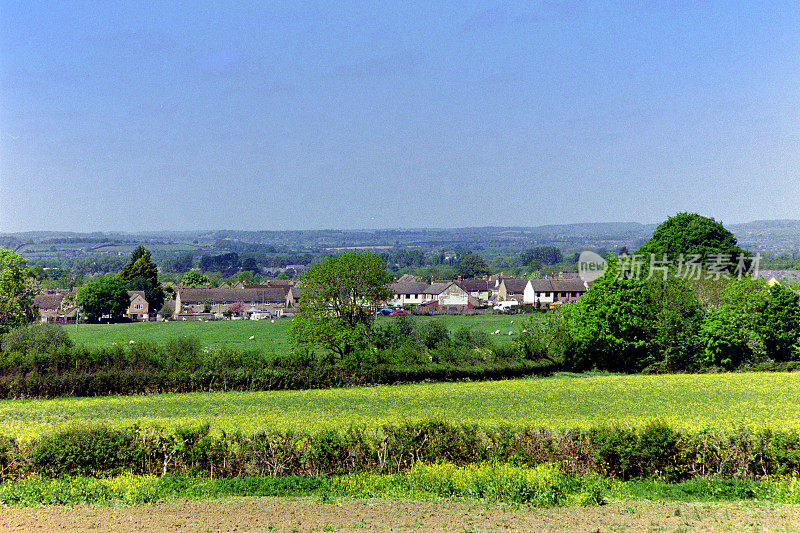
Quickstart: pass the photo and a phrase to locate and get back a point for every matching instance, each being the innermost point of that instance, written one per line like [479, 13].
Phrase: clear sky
[138, 116]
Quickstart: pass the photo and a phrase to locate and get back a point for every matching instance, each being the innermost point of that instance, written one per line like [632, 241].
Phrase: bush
[182, 353]
[43, 338]
[88, 452]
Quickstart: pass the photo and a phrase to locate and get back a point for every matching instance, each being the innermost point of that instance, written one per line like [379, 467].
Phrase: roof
[437, 288]
[406, 278]
[48, 301]
[569, 285]
[408, 287]
[557, 285]
[473, 285]
[133, 294]
[541, 285]
[514, 285]
[191, 296]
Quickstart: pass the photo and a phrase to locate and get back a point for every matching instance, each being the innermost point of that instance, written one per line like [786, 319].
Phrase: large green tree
[194, 278]
[627, 324]
[472, 265]
[105, 296]
[339, 295]
[17, 291]
[141, 274]
[690, 233]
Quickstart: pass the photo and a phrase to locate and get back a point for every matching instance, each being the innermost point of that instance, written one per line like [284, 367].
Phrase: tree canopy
[141, 274]
[105, 296]
[627, 324]
[194, 278]
[339, 295]
[17, 291]
[690, 233]
[472, 265]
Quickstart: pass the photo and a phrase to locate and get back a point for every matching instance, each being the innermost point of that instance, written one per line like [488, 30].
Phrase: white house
[548, 291]
[447, 294]
[406, 293]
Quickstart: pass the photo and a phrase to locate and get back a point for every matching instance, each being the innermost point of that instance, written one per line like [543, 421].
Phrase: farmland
[690, 402]
[268, 336]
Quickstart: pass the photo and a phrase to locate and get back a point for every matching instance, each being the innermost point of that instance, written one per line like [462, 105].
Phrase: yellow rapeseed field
[693, 402]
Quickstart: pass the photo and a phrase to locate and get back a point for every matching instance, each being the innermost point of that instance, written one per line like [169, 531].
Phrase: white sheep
[252, 337]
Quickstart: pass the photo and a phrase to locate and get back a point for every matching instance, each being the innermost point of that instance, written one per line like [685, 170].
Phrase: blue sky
[142, 116]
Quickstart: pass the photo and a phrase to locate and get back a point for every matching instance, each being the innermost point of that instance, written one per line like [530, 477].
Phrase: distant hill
[768, 235]
[771, 236]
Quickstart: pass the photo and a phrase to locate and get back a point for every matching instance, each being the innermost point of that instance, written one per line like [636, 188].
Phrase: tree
[183, 263]
[627, 324]
[165, 312]
[339, 295]
[106, 296]
[141, 274]
[227, 264]
[17, 291]
[194, 278]
[546, 255]
[472, 265]
[236, 308]
[780, 324]
[690, 233]
[731, 332]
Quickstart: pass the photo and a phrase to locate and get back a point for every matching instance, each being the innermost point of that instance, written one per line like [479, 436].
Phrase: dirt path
[297, 514]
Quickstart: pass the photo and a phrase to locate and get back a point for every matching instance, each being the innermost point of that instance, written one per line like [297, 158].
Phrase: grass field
[691, 402]
[269, 336]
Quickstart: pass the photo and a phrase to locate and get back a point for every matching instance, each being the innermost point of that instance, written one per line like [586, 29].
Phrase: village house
[193, 300]
[406, 293]
[477, 288]
[293, 296]
[138, 308]
[552, 291]
[447, 295]
[511, 289]
[51, 307]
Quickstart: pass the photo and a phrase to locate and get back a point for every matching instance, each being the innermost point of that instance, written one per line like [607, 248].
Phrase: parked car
[398, 312]
[385, 312]
[506, 307]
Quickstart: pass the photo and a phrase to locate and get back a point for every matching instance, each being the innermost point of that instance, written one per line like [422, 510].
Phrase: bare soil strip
[302, 514]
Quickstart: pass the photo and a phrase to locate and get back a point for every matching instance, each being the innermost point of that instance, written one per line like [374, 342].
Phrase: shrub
[44, 338]
[88, 452]
[182, 353]
[434, 334]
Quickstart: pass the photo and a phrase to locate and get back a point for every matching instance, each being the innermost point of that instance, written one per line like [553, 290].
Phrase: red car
[398, 312]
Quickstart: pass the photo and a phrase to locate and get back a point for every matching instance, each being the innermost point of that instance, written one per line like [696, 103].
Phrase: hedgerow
[653, 452]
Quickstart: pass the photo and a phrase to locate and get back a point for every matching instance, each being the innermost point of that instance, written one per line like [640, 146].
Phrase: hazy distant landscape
[766, 236]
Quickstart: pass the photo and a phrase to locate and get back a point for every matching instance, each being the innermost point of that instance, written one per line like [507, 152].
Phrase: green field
[268, 336]
[693, 402]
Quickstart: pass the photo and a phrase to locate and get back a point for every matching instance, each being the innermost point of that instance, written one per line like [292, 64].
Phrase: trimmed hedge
[653, 452]
[146, 381]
